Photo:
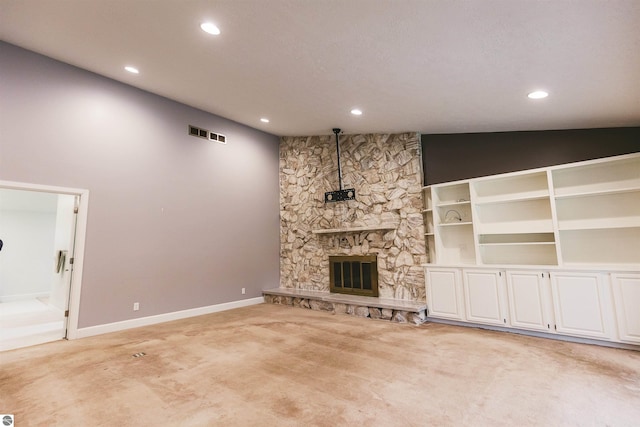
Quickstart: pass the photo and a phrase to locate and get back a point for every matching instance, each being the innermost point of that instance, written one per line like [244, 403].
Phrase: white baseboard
[160, 318]
[537, 334]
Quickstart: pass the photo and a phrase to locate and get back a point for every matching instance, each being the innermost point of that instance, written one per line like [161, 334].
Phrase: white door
[626, 294]
[444, 293]
[582, 305]
[484, 297]
[528, 300]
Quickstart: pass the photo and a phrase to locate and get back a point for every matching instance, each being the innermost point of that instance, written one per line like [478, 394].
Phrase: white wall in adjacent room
[27, 228]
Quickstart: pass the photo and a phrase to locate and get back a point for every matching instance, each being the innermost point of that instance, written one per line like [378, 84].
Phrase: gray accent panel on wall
[175, 222]
[451, 157]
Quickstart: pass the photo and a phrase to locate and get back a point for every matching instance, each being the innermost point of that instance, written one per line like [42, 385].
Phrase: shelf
[511, 187]
[609, 211]
[530, 254]
[453, 224]
[453, 214]
[513, 198]
[430, 240]
[600, 224]
[446, 194]
[539, 226]
[517, 244]
[516, 238]
[599, 193]
[426, 194]
[607, 175]
[601, 246]
[527, 216]
[428, 221]
[449, 204]
[355, 229]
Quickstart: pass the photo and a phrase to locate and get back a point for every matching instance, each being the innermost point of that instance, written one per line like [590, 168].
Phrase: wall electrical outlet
[244, 291]
[136, 306]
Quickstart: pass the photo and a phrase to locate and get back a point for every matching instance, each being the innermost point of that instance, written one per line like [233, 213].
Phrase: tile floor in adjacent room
[29, 322]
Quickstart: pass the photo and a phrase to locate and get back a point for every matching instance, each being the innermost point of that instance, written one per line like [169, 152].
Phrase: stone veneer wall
[385, 171]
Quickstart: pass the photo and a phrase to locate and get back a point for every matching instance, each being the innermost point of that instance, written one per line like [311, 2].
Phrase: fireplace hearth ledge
[372, 307]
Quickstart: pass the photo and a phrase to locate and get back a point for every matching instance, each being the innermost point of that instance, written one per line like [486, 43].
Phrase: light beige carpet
[270, 365]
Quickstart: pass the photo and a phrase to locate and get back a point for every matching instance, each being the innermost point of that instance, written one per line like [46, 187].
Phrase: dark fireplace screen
[355, 275]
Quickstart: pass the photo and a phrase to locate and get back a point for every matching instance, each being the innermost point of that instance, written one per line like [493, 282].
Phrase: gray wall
[219, 232]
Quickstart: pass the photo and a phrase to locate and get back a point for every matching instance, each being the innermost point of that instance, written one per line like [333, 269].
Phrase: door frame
[79, 246]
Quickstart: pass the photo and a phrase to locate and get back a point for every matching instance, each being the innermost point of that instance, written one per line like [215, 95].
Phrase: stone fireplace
[385, 220]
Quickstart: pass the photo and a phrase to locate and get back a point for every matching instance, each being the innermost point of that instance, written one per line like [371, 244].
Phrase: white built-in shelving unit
[514, 219]
[598, 210]
[528, 247]
[452, 223]
[428, 222]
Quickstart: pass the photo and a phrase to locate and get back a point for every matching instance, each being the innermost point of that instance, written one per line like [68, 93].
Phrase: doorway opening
[41, 240]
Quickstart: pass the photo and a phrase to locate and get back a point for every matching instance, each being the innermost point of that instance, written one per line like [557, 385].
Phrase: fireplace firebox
[355, 275]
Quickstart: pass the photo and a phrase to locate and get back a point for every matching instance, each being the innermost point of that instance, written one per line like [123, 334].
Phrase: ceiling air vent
[206, 134]
[217, 137]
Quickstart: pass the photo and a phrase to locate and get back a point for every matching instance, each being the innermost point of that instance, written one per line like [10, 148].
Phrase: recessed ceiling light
[264, 120]
[538, 94]
[210, 28]
[356, 112]
[132, 70]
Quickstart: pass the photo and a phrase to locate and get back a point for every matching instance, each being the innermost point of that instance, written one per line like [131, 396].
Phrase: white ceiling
[431, 66]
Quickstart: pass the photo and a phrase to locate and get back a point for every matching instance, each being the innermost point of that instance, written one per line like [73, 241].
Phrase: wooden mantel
[381, 227]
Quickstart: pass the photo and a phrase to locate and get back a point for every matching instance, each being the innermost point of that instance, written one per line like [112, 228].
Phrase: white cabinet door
[529, 300]
[444, 293]
[582, 305]
[626, 294]
[484, 297]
